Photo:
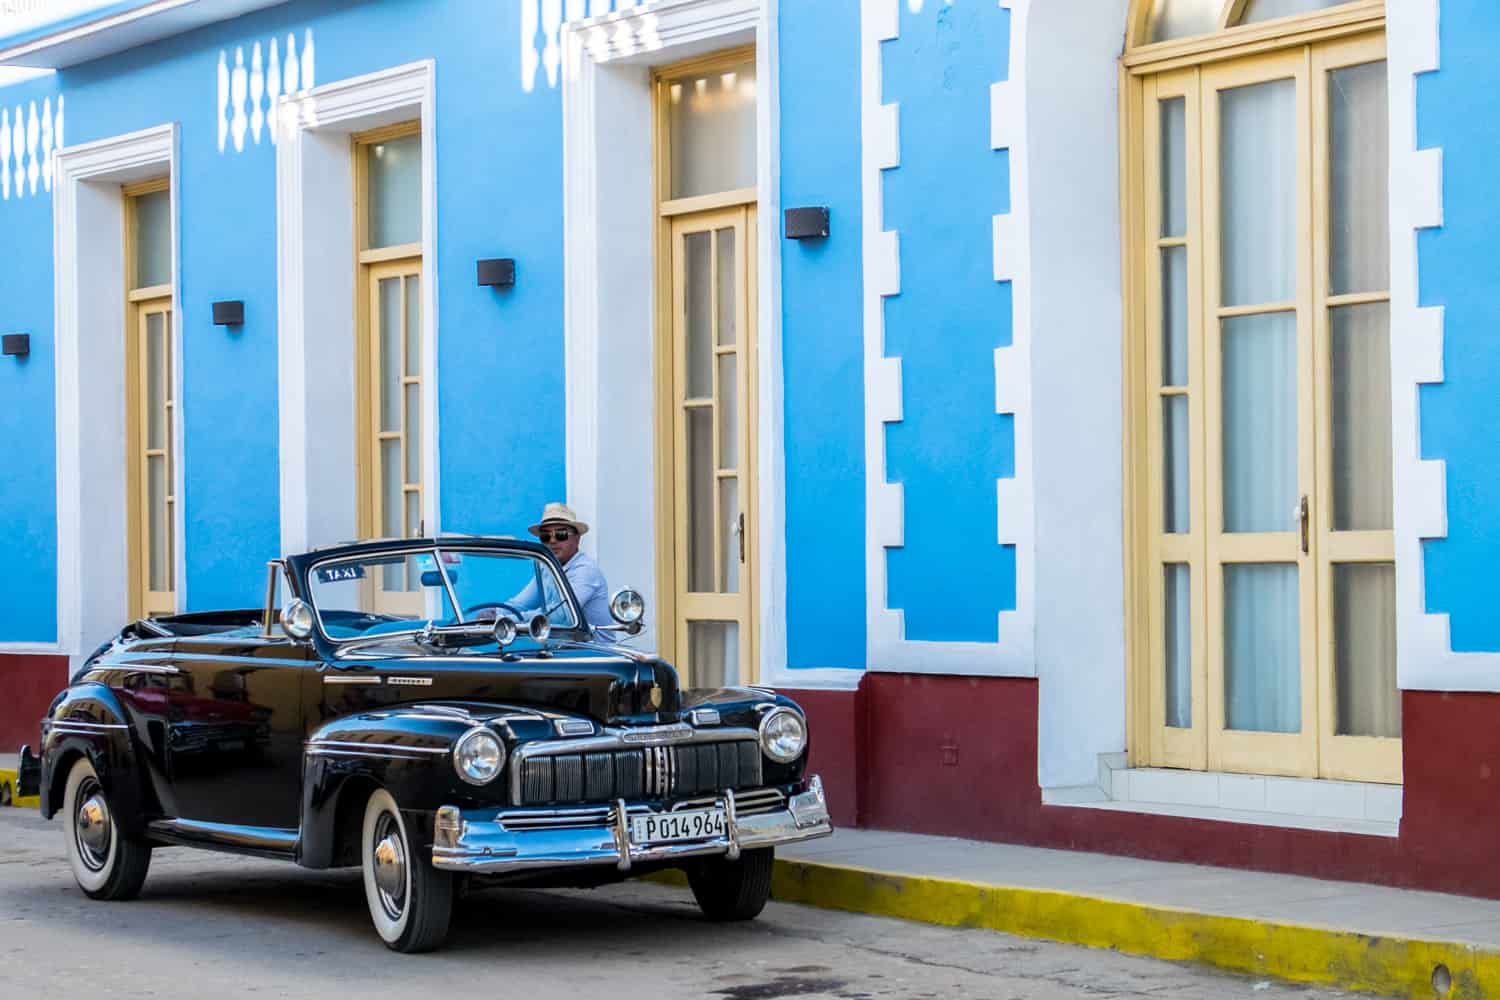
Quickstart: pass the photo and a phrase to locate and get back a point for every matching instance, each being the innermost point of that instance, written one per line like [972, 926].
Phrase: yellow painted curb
[8, 782]
[1390, 965]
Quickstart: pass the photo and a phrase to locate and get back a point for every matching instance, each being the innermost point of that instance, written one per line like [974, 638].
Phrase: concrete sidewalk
[1391, 941]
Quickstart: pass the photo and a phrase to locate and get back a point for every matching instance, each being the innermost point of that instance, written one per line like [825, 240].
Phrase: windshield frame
[434, 548]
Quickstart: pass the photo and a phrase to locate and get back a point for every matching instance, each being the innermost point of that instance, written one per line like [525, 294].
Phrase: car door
[234, 730]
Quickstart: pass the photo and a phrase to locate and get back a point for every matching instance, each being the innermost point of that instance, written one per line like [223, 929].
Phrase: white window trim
[1013, 655]
[609, 217]
[89, 255]
[316, 272]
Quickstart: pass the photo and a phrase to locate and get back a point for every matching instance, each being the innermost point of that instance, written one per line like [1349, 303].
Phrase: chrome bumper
[479, 843]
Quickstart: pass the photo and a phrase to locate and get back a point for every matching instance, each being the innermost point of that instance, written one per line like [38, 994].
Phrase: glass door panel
[1259, 464]
[393, 453]
[1360, 725]
[153, 500]
[1173, 366]
[711, 418]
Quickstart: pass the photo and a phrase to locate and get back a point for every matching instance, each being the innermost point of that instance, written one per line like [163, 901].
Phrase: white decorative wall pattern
[1425, 656]
[30, 133]
[888, 648]
[541, 34]
[248, 93]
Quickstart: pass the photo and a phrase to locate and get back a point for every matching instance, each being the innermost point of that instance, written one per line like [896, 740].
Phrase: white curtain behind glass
[1258, 229]
[1368, 700]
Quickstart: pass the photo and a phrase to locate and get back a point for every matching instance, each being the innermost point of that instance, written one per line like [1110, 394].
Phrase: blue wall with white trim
[951, 577]
[1458, 110]
[823, 337]
[500, 356]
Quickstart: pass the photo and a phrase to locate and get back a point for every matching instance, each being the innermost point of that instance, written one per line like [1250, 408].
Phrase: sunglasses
[556, 535]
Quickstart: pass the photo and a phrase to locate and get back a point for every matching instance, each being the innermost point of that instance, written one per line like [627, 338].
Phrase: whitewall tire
[106, 863]
[411, 902]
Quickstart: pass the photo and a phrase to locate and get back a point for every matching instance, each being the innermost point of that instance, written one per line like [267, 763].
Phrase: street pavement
[217, 925]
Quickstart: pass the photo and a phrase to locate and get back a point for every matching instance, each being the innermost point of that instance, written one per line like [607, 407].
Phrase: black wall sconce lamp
[16, 345]
[498, 273]
[231, 313]
[806, 223]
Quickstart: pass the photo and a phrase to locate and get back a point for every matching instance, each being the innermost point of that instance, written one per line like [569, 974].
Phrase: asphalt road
[218, 926]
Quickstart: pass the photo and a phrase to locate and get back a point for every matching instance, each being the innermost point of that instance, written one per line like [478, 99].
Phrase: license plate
[666, 828]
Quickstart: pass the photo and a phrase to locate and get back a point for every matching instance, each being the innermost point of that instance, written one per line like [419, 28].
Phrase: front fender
[746, 707]
[87, 720]
[406, 751]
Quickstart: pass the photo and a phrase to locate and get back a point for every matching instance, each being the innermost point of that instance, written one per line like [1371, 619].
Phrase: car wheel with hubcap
[733, 890]
[410, 901]
[106, 863]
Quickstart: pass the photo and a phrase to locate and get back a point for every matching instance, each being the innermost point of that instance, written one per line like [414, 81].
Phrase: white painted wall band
[1425, 656]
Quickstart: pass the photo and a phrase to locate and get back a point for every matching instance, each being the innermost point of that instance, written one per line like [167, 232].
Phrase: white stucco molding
[26, 41]
[609, 304]
[88, 254]
[315, 269]
[1425, 656]
[888, 647]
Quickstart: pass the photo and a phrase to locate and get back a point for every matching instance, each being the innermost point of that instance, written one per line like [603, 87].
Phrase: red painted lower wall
[27, 686]
[957, 756]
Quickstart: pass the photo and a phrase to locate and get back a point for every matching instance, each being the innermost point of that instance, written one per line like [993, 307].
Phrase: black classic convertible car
[431, 711]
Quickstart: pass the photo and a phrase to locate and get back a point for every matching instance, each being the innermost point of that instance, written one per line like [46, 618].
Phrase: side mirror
[297, 619]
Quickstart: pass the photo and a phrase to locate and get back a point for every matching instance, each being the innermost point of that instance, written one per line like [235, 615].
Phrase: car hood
[604, 682]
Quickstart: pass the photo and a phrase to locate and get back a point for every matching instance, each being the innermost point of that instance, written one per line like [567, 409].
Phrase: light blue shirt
[589, 586]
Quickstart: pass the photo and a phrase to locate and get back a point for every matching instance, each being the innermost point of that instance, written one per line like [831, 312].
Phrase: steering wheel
[486, 605]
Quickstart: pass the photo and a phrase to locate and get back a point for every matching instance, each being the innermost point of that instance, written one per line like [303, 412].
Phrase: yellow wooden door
[1270, 576]
[711, 471]
[1359, 703]
[1259, 441]
[391, 425]
[151, 405]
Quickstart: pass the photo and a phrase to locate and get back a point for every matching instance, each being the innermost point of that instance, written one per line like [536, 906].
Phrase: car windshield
[401, 591]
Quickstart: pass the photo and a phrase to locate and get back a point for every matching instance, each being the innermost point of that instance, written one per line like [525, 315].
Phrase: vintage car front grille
[652, 772]
[752, 802]
[749, 803]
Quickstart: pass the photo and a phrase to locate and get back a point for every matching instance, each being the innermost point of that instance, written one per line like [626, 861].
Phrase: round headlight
[627, 606]
[783, 735]
[297, 619]
[479, 756]
[539, 628]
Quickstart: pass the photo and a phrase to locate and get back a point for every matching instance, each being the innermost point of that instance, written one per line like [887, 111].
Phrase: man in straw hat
[561, 531]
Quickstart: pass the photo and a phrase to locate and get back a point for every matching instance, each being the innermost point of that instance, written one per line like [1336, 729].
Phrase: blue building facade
[926, 456]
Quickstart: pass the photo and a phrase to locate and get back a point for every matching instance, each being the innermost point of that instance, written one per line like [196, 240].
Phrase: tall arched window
[1262, 572]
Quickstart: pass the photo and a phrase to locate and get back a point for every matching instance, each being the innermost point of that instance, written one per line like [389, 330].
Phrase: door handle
[1301, 514]
[739, 531]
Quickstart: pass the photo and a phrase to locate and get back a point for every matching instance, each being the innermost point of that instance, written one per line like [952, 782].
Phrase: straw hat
[559, 513]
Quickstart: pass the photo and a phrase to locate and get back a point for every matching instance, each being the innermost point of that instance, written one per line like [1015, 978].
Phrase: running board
[266, 841]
